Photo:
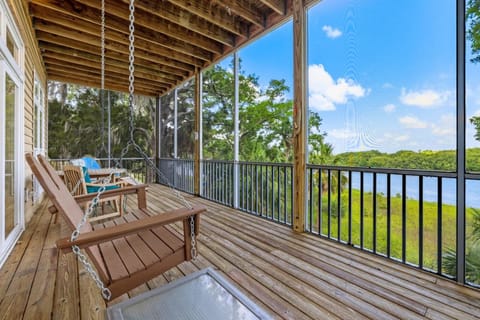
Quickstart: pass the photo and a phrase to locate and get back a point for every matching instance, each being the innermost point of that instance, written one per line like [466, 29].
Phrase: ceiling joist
[173, 38]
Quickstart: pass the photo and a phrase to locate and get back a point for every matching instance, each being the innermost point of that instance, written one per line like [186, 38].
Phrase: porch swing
[131, 249]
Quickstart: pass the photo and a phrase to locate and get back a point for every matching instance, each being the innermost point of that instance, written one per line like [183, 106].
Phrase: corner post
[460, 141]
[299, 115]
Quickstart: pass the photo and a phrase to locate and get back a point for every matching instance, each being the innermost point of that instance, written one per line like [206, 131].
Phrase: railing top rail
[408, 172]
[174, 159]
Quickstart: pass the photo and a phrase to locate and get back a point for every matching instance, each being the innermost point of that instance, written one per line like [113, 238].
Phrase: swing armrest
[118, 231]
[139, 189]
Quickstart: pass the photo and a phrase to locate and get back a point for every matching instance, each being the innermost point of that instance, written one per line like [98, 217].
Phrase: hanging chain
[131, 88]
[76, 250]
[193, 242]
[103, 48]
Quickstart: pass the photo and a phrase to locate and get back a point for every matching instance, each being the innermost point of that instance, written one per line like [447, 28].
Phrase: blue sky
[381, 72]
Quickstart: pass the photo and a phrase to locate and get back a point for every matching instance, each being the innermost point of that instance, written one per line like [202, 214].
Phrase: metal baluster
[439, 226]
[420, 222]
[374, 207]
[349, 207]
[339, 205]
[361, 209]
[404, 217]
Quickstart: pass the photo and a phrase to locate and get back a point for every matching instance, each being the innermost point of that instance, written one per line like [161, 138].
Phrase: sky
[381, 73]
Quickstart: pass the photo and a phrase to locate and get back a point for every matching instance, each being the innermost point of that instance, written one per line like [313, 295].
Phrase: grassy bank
[412, 223]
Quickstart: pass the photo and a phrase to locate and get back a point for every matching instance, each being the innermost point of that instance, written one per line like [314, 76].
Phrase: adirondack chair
[79, 183]
[129, 250]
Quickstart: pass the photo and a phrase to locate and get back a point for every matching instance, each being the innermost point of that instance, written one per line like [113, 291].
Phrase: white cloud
[425, 98]
[341, 134]
[446, 126]
[325, 92]
[412, 122]
[389, 108]
[331, 32]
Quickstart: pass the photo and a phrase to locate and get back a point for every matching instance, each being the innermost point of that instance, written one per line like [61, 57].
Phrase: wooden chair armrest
[139, 189]
[122, 230]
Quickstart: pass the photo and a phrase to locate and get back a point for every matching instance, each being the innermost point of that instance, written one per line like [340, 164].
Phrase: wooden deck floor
[291, 276]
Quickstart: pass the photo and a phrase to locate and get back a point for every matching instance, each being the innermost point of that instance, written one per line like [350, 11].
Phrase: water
[430, 193]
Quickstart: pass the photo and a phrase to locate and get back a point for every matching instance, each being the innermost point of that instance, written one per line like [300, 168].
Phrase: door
[12, 164]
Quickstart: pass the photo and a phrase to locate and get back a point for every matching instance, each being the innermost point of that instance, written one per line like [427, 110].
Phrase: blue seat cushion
[86, 176]
[93, 189]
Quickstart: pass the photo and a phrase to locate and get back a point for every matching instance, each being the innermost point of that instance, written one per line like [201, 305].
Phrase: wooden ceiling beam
[74, 54]
[55, 58]
[182, 18]
[78, 36]
[54, 76]
[47, 40]
[279, 6]
[215, 14]
[48, 16]
[47, 9]
[157, 24]
[76, 71]
[244, 9]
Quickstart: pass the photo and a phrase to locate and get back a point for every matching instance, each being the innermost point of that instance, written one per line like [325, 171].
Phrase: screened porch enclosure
[302, 236]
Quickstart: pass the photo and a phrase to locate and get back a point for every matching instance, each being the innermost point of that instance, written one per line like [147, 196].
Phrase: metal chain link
[76, 250]
[103, 47]
[193, 242]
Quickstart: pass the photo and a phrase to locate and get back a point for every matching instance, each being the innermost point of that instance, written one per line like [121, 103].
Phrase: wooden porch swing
[136, 247]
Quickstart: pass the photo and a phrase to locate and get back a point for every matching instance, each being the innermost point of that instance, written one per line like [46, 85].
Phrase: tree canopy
[473, 32]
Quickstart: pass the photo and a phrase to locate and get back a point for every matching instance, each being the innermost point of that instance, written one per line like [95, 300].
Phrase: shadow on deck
[292, 276]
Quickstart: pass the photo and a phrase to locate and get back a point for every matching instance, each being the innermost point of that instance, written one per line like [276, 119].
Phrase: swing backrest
[57, 192]
[66, 205]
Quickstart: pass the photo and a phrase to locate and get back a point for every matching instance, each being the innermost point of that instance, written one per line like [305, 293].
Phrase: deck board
[291, 276]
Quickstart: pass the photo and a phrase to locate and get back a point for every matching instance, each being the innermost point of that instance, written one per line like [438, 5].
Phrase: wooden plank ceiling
[173, 38]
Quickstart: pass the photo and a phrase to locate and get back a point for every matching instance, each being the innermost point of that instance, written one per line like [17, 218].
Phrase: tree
[473, 33]
[76, 128]
[266, 118]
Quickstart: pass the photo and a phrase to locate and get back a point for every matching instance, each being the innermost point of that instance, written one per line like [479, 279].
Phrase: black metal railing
[266, 190]
[177, 173]
[137, 168]
[405, 215]
[217, 181]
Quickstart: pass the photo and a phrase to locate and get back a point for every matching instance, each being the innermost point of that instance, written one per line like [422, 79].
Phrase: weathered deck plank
[291, 276]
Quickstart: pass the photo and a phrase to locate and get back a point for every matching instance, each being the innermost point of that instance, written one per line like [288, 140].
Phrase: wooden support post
[299, 115]
[198, 133]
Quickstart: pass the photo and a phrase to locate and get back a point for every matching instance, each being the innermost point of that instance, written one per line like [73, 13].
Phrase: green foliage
[76, 128]
[444, 160]
[266, 118]
[472, 253]
[473, 33]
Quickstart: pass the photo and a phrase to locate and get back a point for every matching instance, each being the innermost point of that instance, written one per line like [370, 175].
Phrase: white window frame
[15, 69]
[39, 131]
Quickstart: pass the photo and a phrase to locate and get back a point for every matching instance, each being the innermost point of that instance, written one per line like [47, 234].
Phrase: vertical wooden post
[198, 134]
[299, 115]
